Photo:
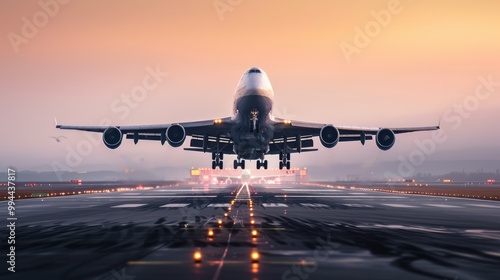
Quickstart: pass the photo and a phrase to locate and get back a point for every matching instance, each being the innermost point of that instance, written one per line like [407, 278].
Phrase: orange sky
[89, 53]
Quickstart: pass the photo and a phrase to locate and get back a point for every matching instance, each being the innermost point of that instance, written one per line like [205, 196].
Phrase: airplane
[252, 132]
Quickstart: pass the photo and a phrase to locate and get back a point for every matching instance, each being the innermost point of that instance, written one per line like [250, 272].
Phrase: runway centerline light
[219, 222]
[252, 222]
[254, 233]
[197, 257]
[210, 233]
[255, 257]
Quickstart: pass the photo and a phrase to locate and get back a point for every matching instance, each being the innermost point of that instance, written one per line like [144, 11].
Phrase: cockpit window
[254, 71]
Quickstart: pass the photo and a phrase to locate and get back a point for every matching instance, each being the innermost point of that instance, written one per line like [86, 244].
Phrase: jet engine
[112, 137]
[176, 134]
[385, 139]
[329, 136]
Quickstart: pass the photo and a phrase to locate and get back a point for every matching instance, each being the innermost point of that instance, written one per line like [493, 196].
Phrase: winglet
[57, 125]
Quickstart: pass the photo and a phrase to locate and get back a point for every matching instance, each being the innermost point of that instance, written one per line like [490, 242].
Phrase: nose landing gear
[217, 160]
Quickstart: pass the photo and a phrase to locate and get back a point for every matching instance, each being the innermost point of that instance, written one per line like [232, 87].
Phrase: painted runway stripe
[340, 196]
[183, 190]
[444, 205]
[401, 205]
[358, 205]
[131, 193]
[274, 205]
[154, 196]
[175, 205]
[219, 205]
[128, 205]
[485, 205]
[310, 190]
[318, 205]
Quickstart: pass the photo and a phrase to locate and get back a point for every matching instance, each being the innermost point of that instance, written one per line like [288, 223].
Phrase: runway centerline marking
[401, 205]
[219, 268]
[128, 205]
[175, 205]
[444, 205]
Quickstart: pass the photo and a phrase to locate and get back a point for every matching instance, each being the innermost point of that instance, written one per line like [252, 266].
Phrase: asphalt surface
[303, 232]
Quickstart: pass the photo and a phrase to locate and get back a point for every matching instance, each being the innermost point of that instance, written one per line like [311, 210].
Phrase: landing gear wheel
[213, 164]
[264, 164]
[288, 156]
[213, 156]
[221, 156]
[281, 156]
[221, 165]
[242, 164]
[287, 165]
[281, 165]
[235, 164]
[258, 164]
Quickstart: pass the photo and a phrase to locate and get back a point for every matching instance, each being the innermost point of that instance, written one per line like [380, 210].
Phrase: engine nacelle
[176, 134]
[329, 136]
[112, 137]
[385, 139]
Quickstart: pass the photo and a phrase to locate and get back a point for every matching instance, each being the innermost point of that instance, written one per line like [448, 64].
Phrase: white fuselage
[253, 82]
[253, 103]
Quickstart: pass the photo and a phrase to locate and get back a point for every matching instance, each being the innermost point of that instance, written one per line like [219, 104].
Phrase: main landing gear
[217, 160]
[239, 162]
[262, 163]
[285, 160]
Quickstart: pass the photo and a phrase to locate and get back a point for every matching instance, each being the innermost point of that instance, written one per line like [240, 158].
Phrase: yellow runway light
[197, 257]
[255, 257]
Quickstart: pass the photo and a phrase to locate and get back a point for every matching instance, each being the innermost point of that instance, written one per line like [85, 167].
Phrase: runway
[303, 232]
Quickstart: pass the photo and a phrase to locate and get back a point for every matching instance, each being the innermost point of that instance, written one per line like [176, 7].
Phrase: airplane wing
[297, 135]
[205, 135]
